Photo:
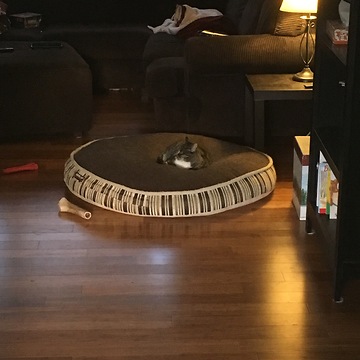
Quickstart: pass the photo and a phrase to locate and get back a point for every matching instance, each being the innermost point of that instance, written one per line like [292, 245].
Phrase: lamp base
[306, 75]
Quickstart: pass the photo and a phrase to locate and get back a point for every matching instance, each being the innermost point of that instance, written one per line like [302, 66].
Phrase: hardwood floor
[246, 284]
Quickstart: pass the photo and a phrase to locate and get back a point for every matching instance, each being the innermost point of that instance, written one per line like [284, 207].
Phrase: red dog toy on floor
[26, 167]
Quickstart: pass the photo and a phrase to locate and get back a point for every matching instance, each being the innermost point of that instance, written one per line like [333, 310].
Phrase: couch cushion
[253, 17]
[289, 24]
[267, 17]
[234, 10]
[14, 34]
[165, 77]
[250, 17]
[103, 41]
[161, 45]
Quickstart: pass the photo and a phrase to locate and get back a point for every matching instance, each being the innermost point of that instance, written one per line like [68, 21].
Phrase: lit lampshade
[307, 44]
[299, 6]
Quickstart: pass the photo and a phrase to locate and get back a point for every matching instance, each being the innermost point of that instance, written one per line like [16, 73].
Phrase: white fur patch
[182, 163]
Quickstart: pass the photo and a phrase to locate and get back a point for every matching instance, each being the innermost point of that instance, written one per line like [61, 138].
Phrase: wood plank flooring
[247, 284]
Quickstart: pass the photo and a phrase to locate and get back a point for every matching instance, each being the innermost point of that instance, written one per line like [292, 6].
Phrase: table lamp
[307, 44]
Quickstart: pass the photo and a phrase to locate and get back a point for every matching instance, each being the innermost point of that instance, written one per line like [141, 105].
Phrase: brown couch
[197, 84]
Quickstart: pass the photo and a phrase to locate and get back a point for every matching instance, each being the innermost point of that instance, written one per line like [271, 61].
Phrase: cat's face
[184, 154]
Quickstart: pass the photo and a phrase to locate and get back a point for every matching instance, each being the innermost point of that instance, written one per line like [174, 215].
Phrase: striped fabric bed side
[214, 199]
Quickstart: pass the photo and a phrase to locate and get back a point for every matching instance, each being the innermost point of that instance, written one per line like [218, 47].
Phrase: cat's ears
[194, 147]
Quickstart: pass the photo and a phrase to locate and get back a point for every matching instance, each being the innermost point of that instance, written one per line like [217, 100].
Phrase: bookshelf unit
[336, 134]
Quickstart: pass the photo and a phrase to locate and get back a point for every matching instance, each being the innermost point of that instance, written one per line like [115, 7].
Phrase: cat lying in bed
[184, 154]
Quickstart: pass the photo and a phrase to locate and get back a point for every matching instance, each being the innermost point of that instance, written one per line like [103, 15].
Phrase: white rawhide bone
[67, 206]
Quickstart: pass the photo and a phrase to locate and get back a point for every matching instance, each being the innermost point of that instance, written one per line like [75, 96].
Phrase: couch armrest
[243, 53]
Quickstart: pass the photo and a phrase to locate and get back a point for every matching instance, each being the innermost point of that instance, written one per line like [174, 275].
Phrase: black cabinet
[336, 134]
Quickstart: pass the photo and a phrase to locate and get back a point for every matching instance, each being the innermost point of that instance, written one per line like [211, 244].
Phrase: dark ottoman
[43, 91]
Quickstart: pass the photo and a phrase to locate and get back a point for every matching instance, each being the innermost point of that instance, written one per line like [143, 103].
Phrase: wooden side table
[269, 87]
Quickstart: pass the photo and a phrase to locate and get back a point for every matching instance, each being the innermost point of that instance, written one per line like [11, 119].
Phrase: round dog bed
[122, 174]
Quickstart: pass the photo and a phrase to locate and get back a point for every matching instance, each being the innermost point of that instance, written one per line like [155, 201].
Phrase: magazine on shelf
[300, 174]
[322, 187]
[333, 195]
[327, 189]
